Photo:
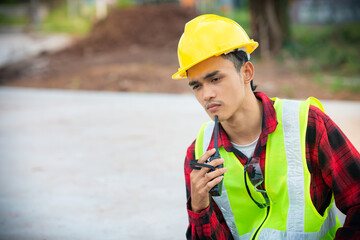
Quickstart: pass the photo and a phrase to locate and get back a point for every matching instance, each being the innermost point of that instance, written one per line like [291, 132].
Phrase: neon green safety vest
[291, 214]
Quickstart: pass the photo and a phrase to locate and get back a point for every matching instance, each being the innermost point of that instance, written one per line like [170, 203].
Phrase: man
[285, 161]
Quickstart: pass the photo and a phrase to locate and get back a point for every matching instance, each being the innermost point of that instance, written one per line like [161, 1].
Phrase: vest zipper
[258, 230]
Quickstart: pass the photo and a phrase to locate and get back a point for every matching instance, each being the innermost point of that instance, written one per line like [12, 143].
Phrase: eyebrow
[209, 75]
[192, 83]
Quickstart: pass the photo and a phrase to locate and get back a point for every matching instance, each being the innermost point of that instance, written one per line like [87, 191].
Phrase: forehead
[216, 63]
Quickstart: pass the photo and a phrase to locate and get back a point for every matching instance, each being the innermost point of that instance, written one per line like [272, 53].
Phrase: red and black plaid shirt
[332, 160]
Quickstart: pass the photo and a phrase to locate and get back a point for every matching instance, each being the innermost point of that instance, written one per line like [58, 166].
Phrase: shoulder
[190, 155]
[191, 149]
[320, 120]
[326, 130]
[315, 113]
[319, 125]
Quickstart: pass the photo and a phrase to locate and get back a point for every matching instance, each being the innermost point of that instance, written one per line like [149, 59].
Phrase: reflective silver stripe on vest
[247, 236]
[207, 135]
[295, 178]
[223, 200]
[329, 223]
[224, 205]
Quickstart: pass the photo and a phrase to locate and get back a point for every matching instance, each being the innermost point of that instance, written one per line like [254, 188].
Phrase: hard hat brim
[250, 47]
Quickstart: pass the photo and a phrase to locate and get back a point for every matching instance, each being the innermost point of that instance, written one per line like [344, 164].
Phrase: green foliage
[59, 20]
[318, 78]
[330, 48]
[287, 91]
[9, 19]
[12, 20]
[337, 84]
[10, 2]
[124, 3]
[241, 16]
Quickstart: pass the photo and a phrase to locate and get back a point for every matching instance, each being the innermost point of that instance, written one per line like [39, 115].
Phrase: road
[102, 165]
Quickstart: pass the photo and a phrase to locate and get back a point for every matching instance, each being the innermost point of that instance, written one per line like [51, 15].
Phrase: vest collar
[269, 124]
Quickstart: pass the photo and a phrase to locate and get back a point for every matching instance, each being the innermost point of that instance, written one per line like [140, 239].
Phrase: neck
[245, 126]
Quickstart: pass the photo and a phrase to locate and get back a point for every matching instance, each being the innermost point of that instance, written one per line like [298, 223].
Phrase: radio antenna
[216, 130]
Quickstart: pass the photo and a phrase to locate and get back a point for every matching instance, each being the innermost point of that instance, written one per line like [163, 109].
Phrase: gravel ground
[102, 165]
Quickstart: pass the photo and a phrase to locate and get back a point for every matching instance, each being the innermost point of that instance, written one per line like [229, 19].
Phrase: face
[219, 87]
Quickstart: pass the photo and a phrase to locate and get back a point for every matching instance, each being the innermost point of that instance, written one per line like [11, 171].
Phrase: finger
[212, 183]
[213, 163]
[197, 176]
[211, 175]
[208, 154]
[201, 183]
[216, 162]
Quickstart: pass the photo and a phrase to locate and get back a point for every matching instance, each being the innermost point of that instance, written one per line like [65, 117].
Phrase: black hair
[238, 58]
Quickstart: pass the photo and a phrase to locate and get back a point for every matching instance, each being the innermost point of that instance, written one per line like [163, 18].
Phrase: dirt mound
[144, 26]
[133, 49]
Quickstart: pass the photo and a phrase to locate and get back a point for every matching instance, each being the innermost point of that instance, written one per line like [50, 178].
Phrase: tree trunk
[269, 25]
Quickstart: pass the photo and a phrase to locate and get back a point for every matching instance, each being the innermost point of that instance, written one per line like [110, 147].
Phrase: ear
[247, 72]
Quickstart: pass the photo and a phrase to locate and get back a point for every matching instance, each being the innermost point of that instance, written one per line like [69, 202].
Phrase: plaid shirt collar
[269, 124]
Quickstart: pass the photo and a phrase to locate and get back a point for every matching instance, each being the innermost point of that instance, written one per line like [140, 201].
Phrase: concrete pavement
[93, 165]
[101, 165]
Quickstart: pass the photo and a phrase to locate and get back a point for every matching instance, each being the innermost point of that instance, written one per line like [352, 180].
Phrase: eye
[195, 87]
[215, 79]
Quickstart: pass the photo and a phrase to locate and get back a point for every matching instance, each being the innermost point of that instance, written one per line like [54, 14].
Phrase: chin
[220, 115]
[212, 116]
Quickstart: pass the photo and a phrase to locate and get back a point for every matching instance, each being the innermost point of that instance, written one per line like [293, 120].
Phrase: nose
[208, 92]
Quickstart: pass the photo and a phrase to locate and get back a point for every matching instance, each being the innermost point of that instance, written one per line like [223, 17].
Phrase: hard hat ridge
[210, 35]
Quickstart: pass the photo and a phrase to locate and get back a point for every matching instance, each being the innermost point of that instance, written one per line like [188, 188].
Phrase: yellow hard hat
[210, 35]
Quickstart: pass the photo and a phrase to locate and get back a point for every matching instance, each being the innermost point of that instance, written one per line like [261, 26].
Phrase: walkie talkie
[216, 190]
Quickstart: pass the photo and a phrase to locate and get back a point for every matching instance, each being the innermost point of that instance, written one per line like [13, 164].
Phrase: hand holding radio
[202, 181]
[207, 176]
[216, 190]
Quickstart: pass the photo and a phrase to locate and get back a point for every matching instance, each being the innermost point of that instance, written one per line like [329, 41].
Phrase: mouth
[212, 107]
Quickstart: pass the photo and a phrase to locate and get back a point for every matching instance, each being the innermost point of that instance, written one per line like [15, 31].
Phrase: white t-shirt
[248, 150]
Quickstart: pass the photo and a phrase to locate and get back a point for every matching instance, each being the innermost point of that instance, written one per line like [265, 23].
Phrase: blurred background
[307, 47]
[107, 163]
